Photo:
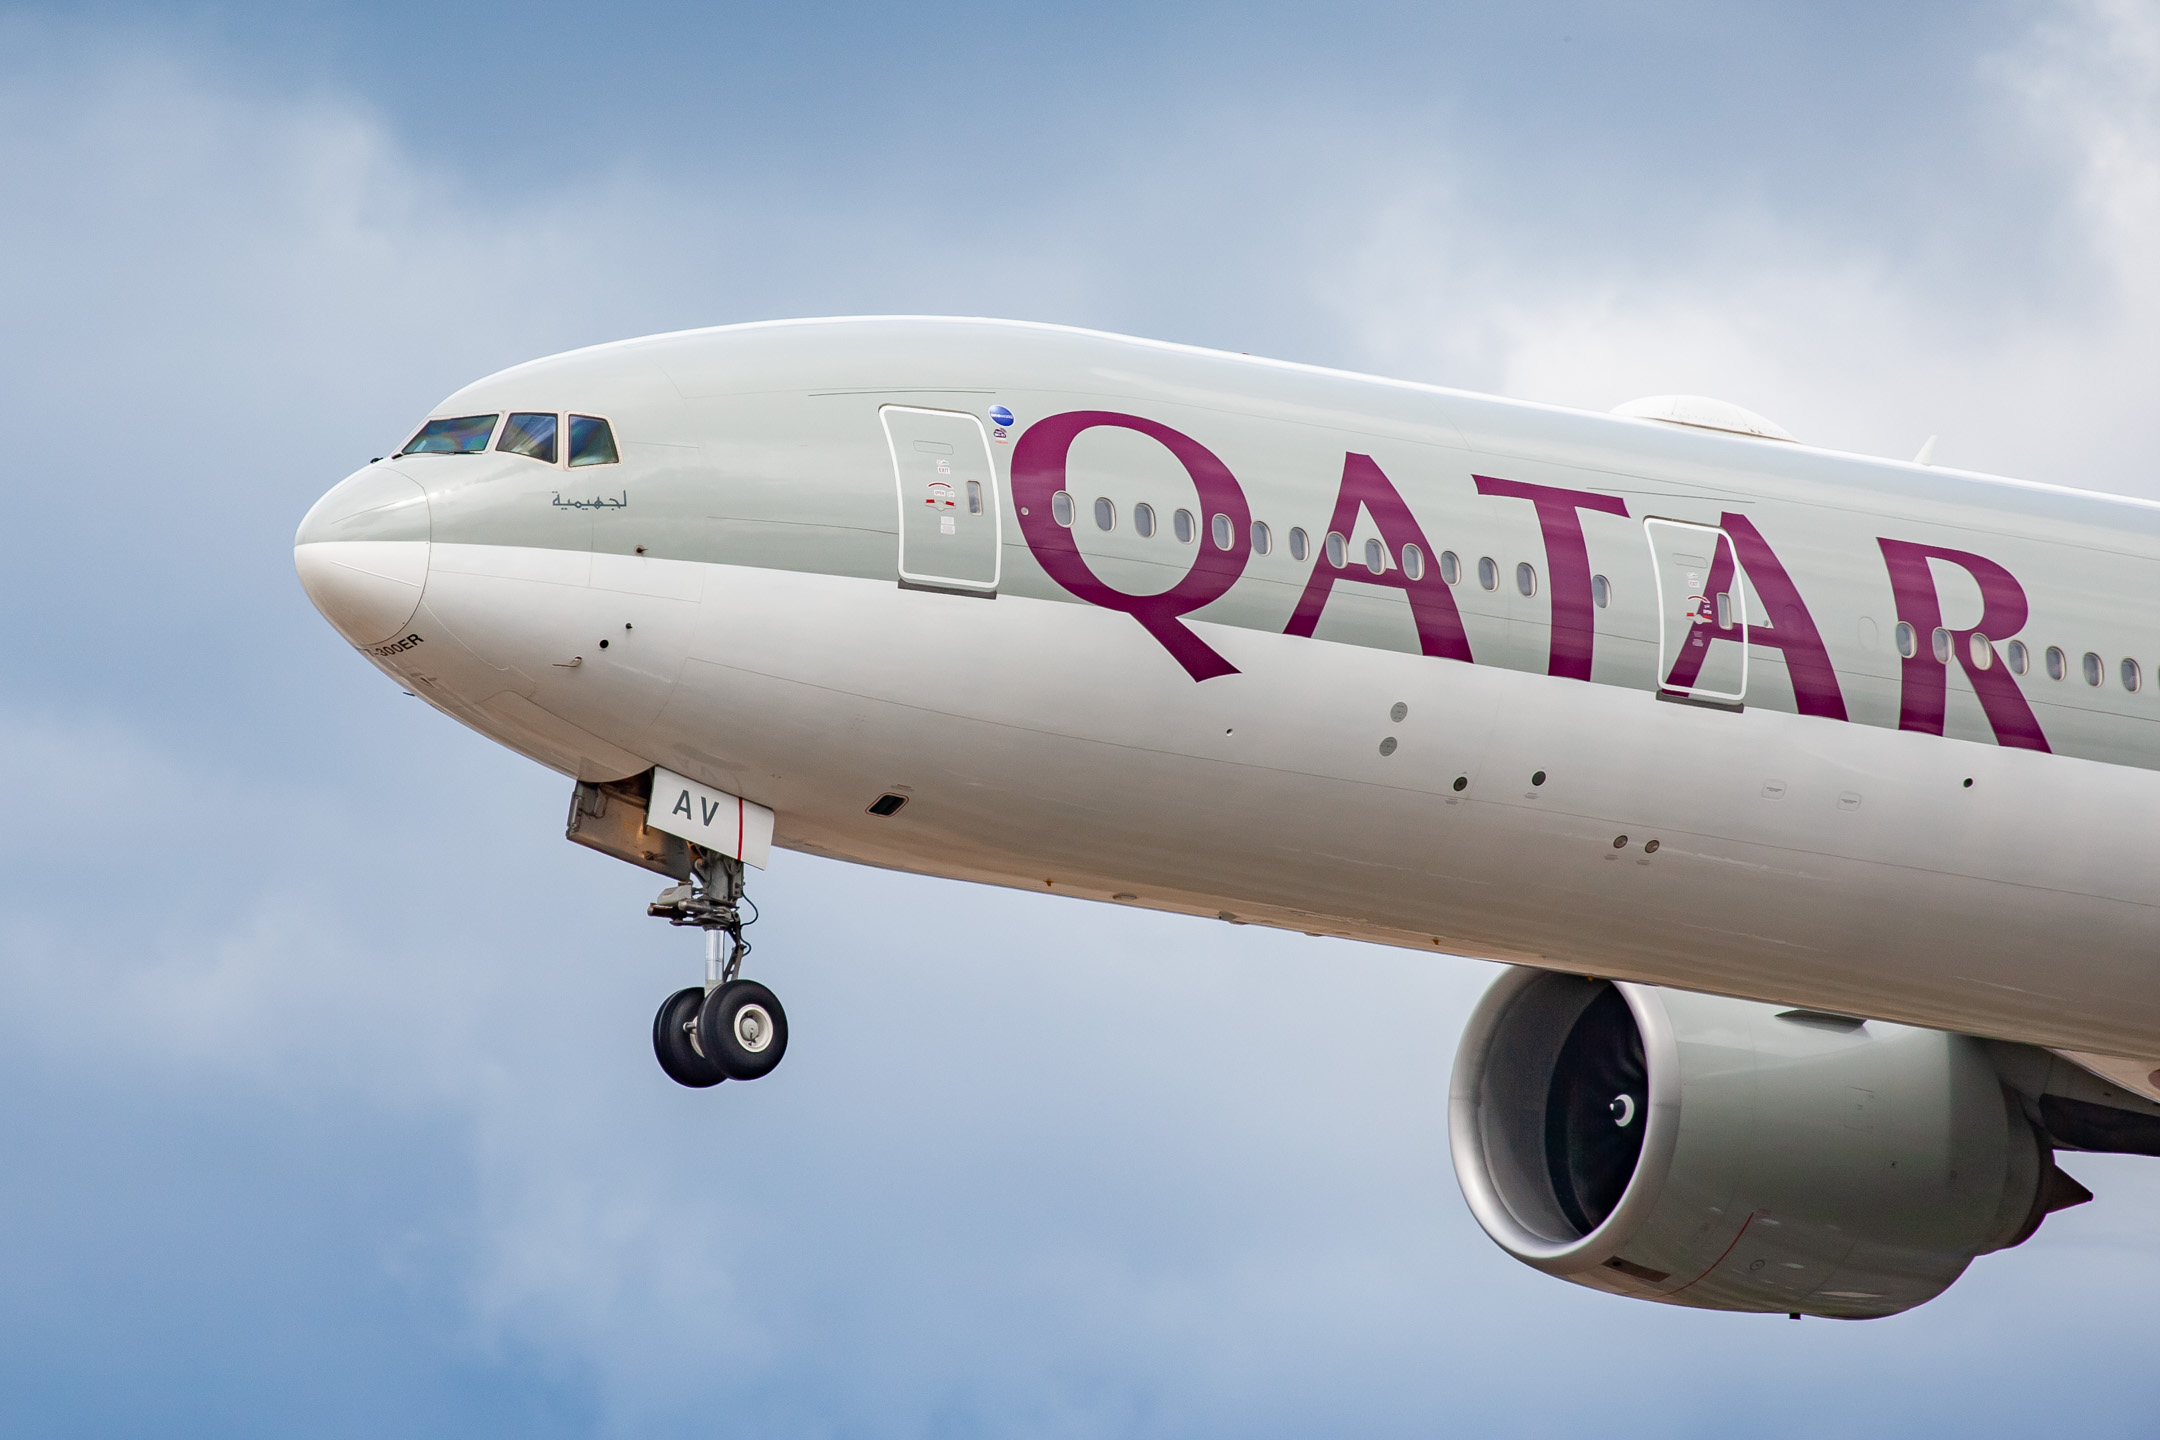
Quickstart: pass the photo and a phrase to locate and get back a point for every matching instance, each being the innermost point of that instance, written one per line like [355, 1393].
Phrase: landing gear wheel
[742, 1027]
[671, 1041]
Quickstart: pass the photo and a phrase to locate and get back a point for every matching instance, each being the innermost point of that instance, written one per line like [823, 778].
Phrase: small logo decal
[999, 415]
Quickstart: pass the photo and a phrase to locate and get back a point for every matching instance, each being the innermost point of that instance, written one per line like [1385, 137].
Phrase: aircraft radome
[1810, 796]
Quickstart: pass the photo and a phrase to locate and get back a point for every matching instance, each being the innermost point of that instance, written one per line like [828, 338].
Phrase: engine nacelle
[1736, 1156]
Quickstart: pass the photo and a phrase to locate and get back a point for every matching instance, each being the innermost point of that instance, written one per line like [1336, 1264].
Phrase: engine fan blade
[1596, 1111]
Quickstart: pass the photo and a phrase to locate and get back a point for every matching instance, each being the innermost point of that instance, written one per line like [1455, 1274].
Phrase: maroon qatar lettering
[1432, 605]
[1787, 627]
[1038, 473]
[1567, 566]
[1924, 681]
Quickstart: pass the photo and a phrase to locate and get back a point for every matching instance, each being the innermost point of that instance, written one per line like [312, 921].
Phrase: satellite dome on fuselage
[1703, 413]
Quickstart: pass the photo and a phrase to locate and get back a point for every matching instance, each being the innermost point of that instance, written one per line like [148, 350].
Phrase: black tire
[742, 1027]
[671, 1041]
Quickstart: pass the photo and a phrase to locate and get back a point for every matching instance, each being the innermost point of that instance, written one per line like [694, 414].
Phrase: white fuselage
[1967, 847]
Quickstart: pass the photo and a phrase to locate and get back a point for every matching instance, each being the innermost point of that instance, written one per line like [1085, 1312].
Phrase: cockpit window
[464, 435]
[532, 435]
[591, 442]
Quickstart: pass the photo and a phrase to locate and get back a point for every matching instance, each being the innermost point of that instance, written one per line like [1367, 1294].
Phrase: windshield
[463, 435]
[529, 434]
[592, 442]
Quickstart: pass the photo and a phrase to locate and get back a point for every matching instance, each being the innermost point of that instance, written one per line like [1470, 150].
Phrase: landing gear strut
[729, 1028]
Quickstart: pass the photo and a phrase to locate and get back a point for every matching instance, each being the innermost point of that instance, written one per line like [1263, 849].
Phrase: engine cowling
[1730, 1155]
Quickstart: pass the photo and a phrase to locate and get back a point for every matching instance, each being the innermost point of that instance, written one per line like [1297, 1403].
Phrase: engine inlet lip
[1466, 1139]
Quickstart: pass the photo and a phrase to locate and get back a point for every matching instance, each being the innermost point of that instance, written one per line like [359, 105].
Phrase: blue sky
[331, 1110]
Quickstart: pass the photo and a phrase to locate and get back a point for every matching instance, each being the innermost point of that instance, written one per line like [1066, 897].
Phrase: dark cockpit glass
[591, 442]
[463, 435]
[529, 434]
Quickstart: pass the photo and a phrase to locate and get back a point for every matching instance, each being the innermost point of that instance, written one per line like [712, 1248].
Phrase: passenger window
[463, 435]
[1488, 574]
[1907, 644]
[1221, 531]
[2056, 667]
[1262, 540]
[2132, 676]
[1413, 563]
[1450, 567]
[1942, 647]
[1105, 513]
[1983, 654]
[592, 442]
[2018, 657]
[1061, 508]
[1526, 578]
[1300, 543]
[1600, 591]
[1338, 549]
[530, 435]
[1181, 526]
[1375, 557]
[2092, 668]
[1143, 520]
[974, 497]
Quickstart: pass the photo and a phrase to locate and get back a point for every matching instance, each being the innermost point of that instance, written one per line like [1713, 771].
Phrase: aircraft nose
[362, 553]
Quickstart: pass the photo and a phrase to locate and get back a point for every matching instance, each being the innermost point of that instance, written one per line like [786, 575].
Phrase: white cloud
[1841, 330]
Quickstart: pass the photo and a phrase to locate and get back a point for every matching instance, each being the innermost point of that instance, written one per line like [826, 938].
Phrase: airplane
[1810, 798]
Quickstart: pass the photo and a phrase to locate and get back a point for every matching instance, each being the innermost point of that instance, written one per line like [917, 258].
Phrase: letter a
[682, 807]
[1785, 626]
[1432, 604]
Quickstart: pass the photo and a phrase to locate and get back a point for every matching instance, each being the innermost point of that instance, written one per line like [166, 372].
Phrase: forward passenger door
[950, 537]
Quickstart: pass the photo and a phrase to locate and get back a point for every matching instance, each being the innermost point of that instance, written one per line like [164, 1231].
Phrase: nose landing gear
[729, 1028]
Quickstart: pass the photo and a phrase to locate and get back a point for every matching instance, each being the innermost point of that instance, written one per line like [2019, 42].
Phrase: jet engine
[1737, 1156]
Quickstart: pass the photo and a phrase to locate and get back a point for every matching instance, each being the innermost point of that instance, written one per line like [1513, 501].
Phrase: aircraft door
[1703, 610]
[949, 528]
